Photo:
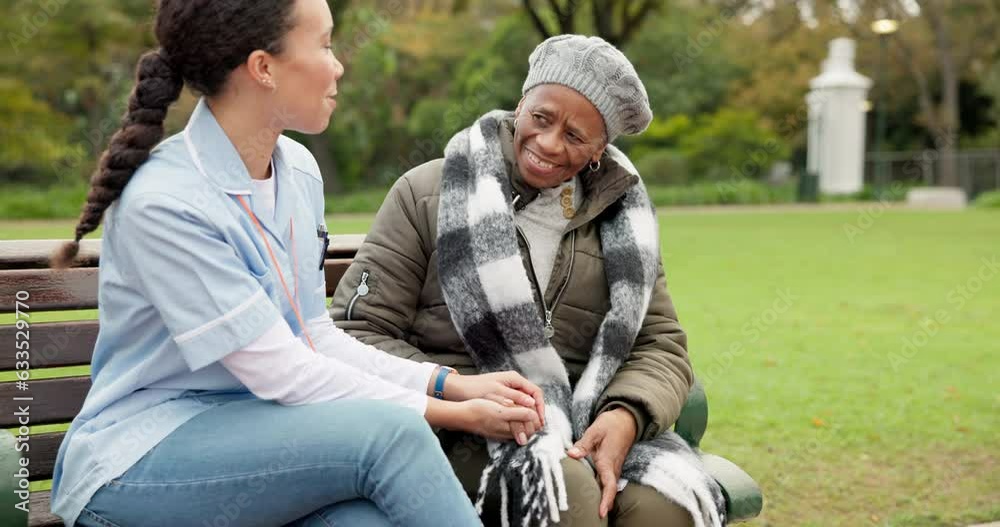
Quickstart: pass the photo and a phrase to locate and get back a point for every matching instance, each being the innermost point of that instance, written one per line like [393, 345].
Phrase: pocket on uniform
[257, 266]
[261, 274]
[264, 277]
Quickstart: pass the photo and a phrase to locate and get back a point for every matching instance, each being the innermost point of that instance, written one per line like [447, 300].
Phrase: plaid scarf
[492, 304]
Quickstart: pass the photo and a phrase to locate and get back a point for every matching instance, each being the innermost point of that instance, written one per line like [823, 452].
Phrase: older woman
[533, 246]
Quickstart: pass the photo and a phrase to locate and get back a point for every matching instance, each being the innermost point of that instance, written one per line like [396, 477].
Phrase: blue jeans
[254, 462]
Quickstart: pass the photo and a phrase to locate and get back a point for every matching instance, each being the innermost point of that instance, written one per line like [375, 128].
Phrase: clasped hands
[504, 405]
[508, 406]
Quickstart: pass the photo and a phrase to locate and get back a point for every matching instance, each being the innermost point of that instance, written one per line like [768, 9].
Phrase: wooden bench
[56, 400]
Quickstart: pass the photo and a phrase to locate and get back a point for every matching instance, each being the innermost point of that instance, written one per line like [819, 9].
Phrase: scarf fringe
[529, 480]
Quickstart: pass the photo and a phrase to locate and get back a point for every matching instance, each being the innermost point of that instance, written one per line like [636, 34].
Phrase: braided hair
[201, 43]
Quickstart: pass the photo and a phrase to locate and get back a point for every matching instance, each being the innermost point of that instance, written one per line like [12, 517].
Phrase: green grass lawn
[822, 399]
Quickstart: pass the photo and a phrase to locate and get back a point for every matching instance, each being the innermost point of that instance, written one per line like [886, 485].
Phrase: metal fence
[978, 170]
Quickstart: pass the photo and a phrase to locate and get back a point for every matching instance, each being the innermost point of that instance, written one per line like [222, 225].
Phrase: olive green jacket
[391, 297]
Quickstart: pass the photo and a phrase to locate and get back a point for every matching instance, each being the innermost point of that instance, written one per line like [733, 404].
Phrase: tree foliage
[613, 20]
[724, 77]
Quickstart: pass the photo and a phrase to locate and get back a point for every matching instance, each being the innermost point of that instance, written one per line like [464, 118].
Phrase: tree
[686, 60]
[959, 32]
[977, 20]
[733, 145]
[781, 54]
[398, 57]
[484, 79]
[76, 59]
[939, 42]
[318, 144]
[34, 137]
[613, 20]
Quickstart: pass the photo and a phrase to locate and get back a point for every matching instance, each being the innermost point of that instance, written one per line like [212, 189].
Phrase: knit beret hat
[600, 73]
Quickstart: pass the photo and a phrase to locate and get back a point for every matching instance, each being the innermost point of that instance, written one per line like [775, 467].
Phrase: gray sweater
[543, 223]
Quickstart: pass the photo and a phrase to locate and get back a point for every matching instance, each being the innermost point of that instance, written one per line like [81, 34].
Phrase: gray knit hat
[600, 73]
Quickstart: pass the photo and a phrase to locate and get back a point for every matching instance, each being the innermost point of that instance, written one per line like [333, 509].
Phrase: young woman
[222, 392]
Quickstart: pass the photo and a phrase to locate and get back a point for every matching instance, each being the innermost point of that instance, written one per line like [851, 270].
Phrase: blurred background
[725, 78]
[864, 388]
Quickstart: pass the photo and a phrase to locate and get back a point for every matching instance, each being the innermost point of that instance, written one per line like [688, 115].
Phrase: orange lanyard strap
[295, 260]
[291, 300]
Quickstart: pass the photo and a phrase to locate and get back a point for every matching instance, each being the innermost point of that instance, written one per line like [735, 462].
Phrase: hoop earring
[595, 168]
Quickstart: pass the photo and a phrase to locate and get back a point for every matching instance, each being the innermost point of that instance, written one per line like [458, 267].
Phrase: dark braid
[202, 42]
[157, 86]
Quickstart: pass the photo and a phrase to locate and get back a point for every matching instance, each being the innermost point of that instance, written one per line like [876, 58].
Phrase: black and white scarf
[491, 301]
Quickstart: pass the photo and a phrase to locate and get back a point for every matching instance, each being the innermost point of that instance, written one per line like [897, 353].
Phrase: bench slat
[33, 254]
[40, 515]
[53, 344]
[49, 290]
[344, 245]
[42, 456]
[335, 269]
[55, 400]
[77, 288]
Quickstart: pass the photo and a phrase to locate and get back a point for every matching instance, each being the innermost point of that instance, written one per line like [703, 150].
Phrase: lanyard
[293, 300]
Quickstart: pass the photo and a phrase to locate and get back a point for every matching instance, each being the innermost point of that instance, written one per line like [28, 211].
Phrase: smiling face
[306, 71]
[558, 133]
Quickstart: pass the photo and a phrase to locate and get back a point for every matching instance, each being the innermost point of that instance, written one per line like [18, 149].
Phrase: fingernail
[522, 438]
[529, 401]
[574, 451]
[508, 402]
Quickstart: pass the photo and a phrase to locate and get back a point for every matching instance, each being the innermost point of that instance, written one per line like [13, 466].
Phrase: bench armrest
[693, 420]
[9, 464]
[744, 499]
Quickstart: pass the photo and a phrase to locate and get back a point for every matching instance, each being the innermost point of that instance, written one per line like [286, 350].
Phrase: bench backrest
[58, 394]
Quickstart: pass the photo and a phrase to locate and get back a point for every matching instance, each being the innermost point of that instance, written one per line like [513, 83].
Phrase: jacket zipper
[362, 290]
[550, 331]
[572, 257]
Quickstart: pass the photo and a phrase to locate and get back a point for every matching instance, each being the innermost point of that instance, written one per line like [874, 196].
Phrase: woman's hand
[479, 416]
[506, 388]
[493, 420]
[607, 441]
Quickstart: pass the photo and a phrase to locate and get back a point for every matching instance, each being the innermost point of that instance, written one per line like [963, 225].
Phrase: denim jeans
[254, 462]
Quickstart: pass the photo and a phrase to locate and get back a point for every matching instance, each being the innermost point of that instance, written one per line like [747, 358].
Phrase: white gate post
[836, 148]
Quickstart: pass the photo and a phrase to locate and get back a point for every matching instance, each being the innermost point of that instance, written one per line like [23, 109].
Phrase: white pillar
[836, 148]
